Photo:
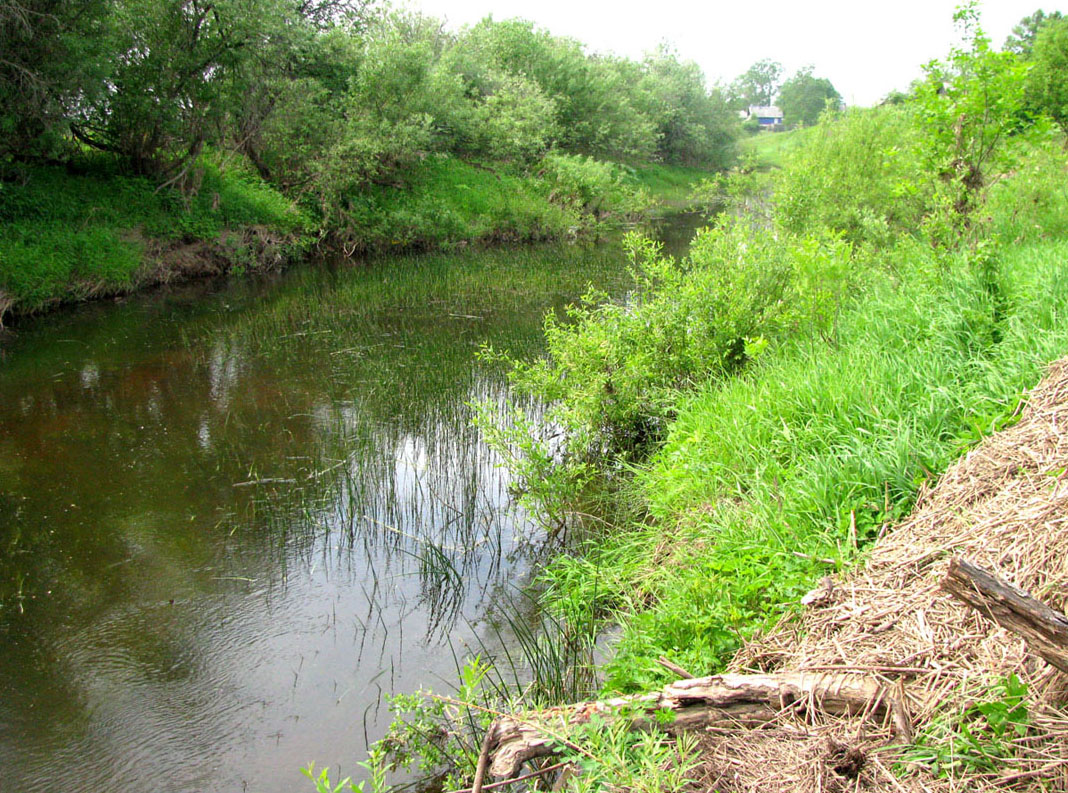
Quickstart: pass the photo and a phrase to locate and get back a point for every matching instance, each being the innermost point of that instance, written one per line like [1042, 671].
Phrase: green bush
[591, 188]
[614, 372]
[857, 172]
[1031, 201]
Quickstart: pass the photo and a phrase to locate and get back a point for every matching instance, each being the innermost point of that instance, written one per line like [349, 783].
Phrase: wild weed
[977, 739]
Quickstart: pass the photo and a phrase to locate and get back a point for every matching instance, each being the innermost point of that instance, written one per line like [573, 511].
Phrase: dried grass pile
[1004, 507]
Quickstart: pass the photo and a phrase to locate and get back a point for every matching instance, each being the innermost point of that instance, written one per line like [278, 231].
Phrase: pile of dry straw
[1004, 507]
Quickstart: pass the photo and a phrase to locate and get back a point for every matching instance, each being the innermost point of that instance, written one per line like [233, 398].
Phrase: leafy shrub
[858, 173]
[1031, 201]
[591, 188]
[614, 371]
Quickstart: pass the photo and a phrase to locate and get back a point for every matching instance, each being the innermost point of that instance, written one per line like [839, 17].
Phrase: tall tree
[51, 59]
[174, 67]
[1023, 36]
[760, 83]
[803, 97]
[1047, 81]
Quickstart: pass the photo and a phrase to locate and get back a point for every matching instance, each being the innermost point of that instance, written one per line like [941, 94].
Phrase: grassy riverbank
[768, 481]
[768, 150]
[757, 414]
[88, 229]
[357, 127]
[749, 471]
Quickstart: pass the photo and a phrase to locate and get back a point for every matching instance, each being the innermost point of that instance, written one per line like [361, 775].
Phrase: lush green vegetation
[671, 185]
[804, 96]
[354, 124]
[777, 396]
[753, 415]
[769, 150]
[86, 228]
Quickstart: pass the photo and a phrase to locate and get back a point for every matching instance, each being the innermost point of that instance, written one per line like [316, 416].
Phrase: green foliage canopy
[1025, 33]
[759, 85]
[803, 97]
[1047, 82]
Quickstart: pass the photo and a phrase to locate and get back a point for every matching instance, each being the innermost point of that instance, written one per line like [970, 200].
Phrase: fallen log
[720, 700]
[1045, 629]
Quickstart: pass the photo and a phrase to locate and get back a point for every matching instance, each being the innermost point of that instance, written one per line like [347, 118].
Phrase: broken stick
[1045, 630]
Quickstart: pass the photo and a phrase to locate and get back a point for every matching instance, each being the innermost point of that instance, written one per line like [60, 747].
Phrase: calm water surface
[224, 511]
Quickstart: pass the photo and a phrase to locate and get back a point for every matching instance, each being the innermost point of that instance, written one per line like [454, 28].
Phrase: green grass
[759, 469]
[671, 185]
[68, 233]
[445, 200]
[769, 149]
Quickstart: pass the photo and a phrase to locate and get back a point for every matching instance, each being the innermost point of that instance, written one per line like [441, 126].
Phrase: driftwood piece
[1045, 630]
[720, 700]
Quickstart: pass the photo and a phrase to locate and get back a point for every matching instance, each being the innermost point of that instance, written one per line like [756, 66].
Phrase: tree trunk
[1045, 630]
[724, 700]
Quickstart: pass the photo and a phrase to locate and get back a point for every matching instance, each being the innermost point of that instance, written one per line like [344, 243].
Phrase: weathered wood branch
[720, 700]
[1045, 630]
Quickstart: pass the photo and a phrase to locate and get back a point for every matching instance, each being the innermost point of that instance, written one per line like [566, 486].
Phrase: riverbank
[890, 678]
[760, 413]
[978, 708]
[87, 230]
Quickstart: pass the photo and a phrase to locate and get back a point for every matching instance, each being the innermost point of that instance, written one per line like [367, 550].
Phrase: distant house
[765, 115]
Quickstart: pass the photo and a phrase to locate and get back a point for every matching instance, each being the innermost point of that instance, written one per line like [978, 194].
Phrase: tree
[695, 126]
[51, 58]
[1047, 82]
[173, 75]
[759, 85]
[966, 107]
[1022, 39]
[803, 97]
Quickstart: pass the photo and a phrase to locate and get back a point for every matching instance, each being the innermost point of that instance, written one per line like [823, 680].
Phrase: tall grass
[768, 150]
[770, 480]
[672, 185]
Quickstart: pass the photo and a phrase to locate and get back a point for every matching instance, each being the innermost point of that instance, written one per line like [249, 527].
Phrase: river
[234, 515]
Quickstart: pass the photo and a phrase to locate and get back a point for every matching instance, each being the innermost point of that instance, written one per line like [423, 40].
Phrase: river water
[234, 515]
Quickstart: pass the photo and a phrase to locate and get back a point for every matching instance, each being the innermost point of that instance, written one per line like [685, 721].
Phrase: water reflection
[232, 518]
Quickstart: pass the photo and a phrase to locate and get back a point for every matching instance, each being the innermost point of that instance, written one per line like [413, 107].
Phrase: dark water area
[234, 515]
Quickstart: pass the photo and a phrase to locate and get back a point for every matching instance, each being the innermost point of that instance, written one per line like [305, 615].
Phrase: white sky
[866, 49]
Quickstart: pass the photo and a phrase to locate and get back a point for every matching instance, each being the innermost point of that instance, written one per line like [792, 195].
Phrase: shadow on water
[233, 517]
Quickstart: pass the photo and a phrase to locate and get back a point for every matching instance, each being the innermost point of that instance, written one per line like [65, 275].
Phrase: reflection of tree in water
[172, 470]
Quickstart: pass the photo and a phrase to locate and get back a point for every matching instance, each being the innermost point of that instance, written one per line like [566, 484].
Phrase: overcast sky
[866, 49]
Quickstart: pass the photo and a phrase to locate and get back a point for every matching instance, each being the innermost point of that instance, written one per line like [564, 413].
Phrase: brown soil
[253, 246]
[1004, 507]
